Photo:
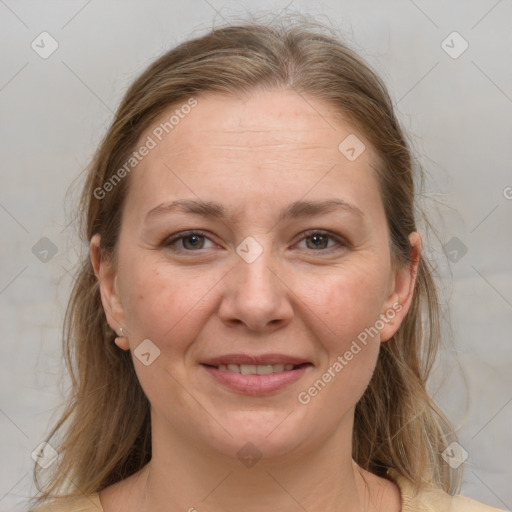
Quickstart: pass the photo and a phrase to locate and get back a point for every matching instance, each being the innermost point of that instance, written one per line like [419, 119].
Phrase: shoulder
[89, 503]
[435, 500]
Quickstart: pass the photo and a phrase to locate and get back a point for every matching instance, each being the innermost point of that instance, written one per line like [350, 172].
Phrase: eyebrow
[215, 210]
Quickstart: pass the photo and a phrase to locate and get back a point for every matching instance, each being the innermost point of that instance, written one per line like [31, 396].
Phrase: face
[284, 274]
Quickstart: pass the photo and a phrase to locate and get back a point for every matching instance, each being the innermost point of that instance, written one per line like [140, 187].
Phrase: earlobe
[400, 298]
[107, 277]
[121, 340]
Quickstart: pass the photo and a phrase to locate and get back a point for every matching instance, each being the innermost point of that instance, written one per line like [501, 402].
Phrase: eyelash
[342, 243]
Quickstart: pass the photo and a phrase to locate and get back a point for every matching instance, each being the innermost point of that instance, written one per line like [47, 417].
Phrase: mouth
[256, 375]
[258, 369]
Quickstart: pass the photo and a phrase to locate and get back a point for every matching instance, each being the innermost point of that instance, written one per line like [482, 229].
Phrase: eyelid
[341, 241]
[171, 240]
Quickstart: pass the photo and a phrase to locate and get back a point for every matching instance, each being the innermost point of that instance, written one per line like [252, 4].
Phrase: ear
[402, 290]
[110, 298]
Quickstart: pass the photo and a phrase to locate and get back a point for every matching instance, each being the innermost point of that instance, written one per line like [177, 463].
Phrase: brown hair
[105, 426]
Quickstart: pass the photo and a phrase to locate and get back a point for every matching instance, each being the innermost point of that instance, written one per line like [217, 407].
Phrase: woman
[256, 323]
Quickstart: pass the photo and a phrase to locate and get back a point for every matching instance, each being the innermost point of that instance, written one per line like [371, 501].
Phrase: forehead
[276, 119]
[265, 146]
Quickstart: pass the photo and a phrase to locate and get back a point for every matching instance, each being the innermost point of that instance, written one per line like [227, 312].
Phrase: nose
[256, 296]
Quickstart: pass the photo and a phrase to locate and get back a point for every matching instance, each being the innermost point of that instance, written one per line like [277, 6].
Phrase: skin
[255, 154]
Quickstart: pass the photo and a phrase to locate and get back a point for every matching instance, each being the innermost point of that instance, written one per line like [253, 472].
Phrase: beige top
[426, 501]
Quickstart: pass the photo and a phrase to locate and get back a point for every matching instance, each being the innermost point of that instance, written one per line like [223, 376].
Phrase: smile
[255, 375]
[259, 369]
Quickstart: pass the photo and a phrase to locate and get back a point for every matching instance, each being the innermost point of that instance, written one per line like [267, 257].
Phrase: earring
[122, 341]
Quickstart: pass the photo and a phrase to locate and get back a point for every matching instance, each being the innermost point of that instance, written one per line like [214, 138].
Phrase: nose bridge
[253, 269]
[255, 295]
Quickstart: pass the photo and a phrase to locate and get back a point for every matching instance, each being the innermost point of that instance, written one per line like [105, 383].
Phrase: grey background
[458, 110]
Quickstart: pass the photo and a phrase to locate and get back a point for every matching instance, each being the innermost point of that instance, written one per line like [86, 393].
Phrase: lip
[254, 359]
[256, 384]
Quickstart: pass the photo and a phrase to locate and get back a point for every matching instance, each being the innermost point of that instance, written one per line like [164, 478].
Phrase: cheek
[163, 305]
[346, 308]
[348, 302]
[167, 307]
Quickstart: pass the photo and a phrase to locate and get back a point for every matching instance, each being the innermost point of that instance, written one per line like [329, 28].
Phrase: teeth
[247, 369]
[266, 369]
[256, 369]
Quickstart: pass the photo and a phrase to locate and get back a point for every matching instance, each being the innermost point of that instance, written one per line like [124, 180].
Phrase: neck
[183, 476]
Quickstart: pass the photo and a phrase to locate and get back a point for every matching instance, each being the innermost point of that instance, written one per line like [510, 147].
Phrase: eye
[194, 241]
[189, 241]
[319, 241]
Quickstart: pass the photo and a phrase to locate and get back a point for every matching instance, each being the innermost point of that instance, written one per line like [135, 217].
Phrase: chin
[265, 435]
